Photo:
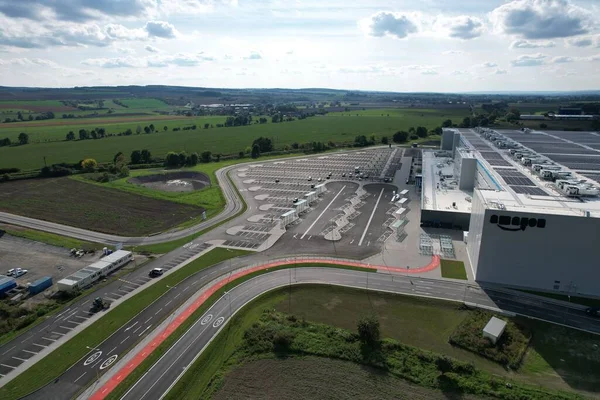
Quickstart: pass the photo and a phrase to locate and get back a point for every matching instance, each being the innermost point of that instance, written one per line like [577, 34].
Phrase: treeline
[22, 139]
[30, 117]
[419, 132]
[120, 103]
[99, 133]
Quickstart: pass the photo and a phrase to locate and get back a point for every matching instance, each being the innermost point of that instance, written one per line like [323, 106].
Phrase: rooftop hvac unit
[581, 190]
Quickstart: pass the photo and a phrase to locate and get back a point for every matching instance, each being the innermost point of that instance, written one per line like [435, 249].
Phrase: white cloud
[530, 60]
[429, 72]
[151, 49]
[156, 61]
[584, 41]
[458, 72]
[526, 44]
[500, 71]
[119, 32]
[254, 55]
[592, 58]
[390, 24]
[119, 62]
[562, 60]
[541, 19]
[160, 29]
[465, 27]
[489, 64]
[453, 52]
[125, 50]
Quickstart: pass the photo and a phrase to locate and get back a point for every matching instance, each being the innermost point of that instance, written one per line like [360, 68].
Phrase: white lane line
[148, 320]
[159, 310]
[80, 316]
[85, 302]
[79, 377]
[142, 332]
[370, 218]
[168, 303]
[8, 366]
[26, 339]
[110, 352]
[8, 350]
[177, 296]
[131, 326]
[20, 359]
[65, 327]
[323, 212]
[40, 345]
[29, 351]
[58, 333]
[137, 329]
[124, 340]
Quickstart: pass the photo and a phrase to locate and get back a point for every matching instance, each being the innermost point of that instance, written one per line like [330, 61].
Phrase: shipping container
[40, 285]
[6, 284]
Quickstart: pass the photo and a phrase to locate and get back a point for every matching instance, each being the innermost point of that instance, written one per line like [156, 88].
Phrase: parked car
[156, 272]
[310, 178]
[20, 272]
[11, 272]
[276, 180]
[344, 175]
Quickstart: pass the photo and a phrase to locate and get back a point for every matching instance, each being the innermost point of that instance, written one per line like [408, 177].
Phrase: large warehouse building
[529, 201]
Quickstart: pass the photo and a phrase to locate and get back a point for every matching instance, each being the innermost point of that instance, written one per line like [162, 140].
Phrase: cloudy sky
[425, 45]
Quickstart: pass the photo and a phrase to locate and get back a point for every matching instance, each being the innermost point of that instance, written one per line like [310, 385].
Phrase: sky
[402, 46]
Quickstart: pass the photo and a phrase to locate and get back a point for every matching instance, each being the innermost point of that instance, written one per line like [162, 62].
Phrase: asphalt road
[232, 207]
[164, 374]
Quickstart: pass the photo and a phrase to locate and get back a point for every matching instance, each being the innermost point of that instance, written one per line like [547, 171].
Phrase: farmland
[336, 127]
[78, 204]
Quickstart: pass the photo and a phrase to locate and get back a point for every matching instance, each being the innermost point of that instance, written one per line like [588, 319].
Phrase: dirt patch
[182, 181]
[319, 378]
[88, 206]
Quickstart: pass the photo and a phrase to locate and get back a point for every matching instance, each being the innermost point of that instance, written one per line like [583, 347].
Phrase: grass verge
[262, 333]
[453, 269]
[61, 359]
[50, 238]
[160, 350]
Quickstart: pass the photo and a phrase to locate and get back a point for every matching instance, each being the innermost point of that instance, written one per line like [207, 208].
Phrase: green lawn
[332, 127]
[453, 269]
[50, 238]
[54, 364]
[153, 104]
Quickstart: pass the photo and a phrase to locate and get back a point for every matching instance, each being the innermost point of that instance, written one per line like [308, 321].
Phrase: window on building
[494, 219]
[504, 220]
[516, 221]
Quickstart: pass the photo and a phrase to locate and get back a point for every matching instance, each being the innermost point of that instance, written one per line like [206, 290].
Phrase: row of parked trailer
[565, 181]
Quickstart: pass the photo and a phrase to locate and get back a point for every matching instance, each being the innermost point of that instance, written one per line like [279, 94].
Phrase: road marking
[80, 377]
[137, 329]
[145, 322]
[64, 327]
[24, 340]
[40, 345]
[80, 316]
[370, 218]
[159, 310]
[29, 351]
[8, 366]
[109, 361]
[141, 333]
[85, 302]
[309, 237]
[20, 359]
[57, 333]
[134, 324]
[8, 350]
[108, 352]
[177, 296]
[168, 303]
[92, 358]
[323, 212]
[124, 340]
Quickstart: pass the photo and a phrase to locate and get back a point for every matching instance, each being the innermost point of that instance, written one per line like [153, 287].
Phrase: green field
[66, 355]
[332, 127]
[50, 238]
[453, 269]
[417, 324]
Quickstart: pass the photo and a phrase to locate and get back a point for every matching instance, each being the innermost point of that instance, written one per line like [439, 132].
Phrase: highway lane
[26, 346]
[165, 373]
[233, 206]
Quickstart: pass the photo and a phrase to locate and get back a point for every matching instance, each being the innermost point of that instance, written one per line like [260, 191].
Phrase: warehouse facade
[90, 274]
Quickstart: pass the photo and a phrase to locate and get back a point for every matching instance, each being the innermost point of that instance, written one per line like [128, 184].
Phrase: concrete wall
[475, 230]
[468, 171]
[557, 257]
[445, 217]
[447, 139]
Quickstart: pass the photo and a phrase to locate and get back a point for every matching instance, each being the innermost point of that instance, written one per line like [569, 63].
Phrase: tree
[421, 131]
[206, 156]
[265, 145]
[438, 130]
[384, 140]
[83, 134]
[101, 132]
[466, 123]
[70, 135]
[4, 142]
[275, 118]
[193, 159]
[182, 157]
[146, 156]
[118, 156]
[165, 128]
[368, 329]
[136, 157]
[146, 129]
[361, 141]
[19, 116]
[94, 134]
[138, 129]
[23, 138]
[218, 157]
[255, 151]
[447, 123]
[241, 154]
[89, 164]
[400, 137]
[172, 159]
[151, 127]
[206, 125]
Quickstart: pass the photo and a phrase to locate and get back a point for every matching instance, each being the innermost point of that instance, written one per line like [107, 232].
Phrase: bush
[413, 137]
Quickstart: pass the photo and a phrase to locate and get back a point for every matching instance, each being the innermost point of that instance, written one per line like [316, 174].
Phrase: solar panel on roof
[532, 190]
[499, 163]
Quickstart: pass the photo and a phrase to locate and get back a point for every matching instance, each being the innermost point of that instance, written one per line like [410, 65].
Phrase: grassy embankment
[453, 269]
[50, 238]
[54, 364]
[420, 325]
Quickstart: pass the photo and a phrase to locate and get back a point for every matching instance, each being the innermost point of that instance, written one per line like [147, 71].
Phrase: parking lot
[350, 217]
